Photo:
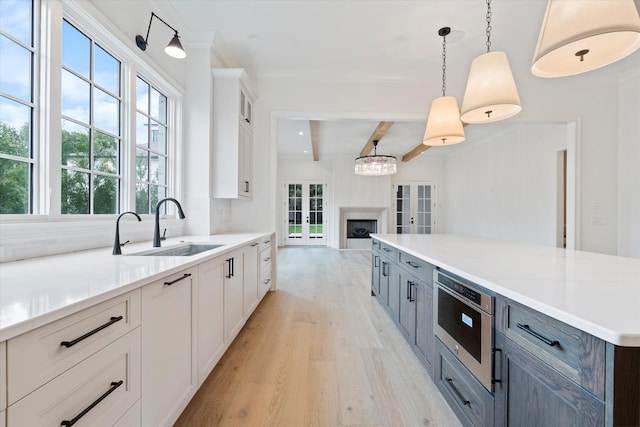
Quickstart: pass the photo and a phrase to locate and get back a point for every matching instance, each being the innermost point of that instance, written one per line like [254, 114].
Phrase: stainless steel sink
[187, 249]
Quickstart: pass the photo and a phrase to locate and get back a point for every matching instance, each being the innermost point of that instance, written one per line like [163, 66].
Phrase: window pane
[142, 198]
[142, 95]
[158, 106]
[106, 112]
[157, 169]
[76, 50]
[105, 153]
[158, 138]
[15, 128]
[142, 130]
[14, 186]
[157, 194]
[106, 71]
[75, 192]
[16, 19]
[142, 165]
[15, 69]
[75, 145]
[75, 97]
[105, 195]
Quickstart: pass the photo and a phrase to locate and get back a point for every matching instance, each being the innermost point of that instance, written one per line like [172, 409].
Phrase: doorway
[305, 205]
[413, 206]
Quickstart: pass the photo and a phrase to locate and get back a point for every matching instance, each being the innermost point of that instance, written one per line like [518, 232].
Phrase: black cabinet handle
[530, 331]
[408, 290]
[386, 249]
[178, 279]
[114, 385]
[375, 261]
[495, 370]
[246, 186]
[88, 334]
[385, 273]
[267, 259]
[411, 298]
[230, 265]
[412, 264]
[463, 400]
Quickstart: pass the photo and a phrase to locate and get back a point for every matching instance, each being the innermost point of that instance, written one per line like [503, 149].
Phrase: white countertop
[599, 294]
[37, 291]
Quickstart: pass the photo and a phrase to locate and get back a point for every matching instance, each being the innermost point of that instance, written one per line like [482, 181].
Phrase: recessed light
[305, 151]
[300, 133]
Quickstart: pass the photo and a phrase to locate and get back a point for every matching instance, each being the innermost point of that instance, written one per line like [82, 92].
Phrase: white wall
[505, 187]
[629, 165]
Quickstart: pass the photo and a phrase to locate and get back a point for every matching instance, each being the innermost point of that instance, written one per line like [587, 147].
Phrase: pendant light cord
[488, 16]
[444, 64]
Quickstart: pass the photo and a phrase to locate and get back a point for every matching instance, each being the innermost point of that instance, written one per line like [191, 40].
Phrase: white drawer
[3, 376]
[131, 418]
[115, 368]
[265, 258]
[264, 243]
[265, 281]
[38, 356]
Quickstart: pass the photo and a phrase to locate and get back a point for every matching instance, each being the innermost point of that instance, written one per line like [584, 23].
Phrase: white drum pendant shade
[443, 124]
[491, 92]
[582, 35]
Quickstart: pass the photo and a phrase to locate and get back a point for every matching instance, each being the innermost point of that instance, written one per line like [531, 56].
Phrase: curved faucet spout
[156, 232]
[116, 242]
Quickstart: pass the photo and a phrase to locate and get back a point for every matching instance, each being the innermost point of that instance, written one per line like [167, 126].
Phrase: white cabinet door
[233, 295]
[169, 376]
[250, 279]
[210, 300]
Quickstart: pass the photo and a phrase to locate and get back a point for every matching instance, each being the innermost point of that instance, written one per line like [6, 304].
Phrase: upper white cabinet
[232, 134]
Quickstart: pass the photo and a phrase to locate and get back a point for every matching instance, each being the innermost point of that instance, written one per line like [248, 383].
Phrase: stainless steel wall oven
[463, 321]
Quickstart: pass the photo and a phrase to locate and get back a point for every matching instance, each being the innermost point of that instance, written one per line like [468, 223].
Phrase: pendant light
[443, 123]
[491, 92]
[582, 35]
[375, 165]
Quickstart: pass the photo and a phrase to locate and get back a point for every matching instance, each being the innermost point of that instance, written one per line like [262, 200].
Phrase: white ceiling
[364, 39]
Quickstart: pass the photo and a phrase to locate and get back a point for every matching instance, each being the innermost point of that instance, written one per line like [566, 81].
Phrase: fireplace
[361, 228]
[357, 223]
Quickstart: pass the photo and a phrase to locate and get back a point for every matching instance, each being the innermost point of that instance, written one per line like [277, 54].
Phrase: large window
[151, 147]
[91, 117]
[17, 50]
[81, 131]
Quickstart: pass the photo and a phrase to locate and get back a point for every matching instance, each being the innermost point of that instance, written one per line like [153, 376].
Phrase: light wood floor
[320, 351]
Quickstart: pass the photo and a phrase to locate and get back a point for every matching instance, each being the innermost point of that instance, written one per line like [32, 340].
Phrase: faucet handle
[122, 244]
[164, 233]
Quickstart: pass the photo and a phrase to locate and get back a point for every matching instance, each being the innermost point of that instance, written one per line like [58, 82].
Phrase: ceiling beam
[417, 150]
[377, 135]
[314, 131]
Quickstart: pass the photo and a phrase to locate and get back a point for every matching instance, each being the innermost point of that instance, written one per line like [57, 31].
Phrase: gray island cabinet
[555, 362]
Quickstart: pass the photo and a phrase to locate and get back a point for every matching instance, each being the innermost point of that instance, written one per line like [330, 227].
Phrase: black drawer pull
[530, 331]
[386, 249]
[114, 385]
[413, 264]
[178, 279]
[267, 259]
[457, 392]
[88, 334]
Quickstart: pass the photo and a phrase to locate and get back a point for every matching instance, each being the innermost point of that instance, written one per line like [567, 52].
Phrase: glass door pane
[295, 211]
[403, 209]
[423, 225]
[316, 226]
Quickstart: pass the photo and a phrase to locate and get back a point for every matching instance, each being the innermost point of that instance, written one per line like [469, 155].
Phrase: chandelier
[375, 165]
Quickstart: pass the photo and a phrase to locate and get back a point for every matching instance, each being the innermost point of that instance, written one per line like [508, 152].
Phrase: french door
[304, 204]
[413, 205]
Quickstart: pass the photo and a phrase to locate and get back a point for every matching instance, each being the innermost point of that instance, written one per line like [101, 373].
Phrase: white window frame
[47, 223]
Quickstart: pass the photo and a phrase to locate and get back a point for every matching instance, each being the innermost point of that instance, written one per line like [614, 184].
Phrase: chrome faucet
[116, 242]
[156, 233]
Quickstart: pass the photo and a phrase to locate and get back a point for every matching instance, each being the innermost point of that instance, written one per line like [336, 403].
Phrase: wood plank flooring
[320, 351]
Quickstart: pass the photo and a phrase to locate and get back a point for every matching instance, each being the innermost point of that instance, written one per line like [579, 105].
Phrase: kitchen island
[581, 366]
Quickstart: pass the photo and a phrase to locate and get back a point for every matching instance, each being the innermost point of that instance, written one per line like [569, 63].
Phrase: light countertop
[37, 291]
[599, 294]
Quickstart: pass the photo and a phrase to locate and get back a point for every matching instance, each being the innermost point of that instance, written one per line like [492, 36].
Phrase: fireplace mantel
[360, 212]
